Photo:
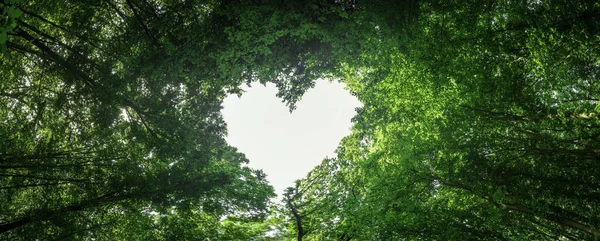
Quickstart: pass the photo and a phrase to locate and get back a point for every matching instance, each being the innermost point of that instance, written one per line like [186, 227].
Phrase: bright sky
[287, 146]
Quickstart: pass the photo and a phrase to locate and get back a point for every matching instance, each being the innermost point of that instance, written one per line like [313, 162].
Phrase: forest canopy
[480, 119]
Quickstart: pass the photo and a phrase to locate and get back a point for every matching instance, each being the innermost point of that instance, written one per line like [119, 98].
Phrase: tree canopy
[111, 113]
[480, 119]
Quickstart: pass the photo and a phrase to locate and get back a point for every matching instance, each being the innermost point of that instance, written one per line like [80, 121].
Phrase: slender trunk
[583, 116]
[298, 219]
[564, 221]
[104, 199]
[142, 24]
[508, 116]
[57, 58]
[15, 224]
[552, 217]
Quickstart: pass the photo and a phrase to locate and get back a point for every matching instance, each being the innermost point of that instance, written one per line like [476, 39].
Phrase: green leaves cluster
[111, 125]
[478, 117]
[10, 14]
[480, 121]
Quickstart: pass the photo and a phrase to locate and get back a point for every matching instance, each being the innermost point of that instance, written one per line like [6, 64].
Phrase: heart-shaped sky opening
[286, 146]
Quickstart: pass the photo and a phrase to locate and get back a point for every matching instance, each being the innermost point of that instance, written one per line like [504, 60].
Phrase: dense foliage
[480, 119]
[110, 110]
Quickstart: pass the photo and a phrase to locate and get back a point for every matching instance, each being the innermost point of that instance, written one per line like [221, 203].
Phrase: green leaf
[498, 195]
[14, 12]
[3, 37]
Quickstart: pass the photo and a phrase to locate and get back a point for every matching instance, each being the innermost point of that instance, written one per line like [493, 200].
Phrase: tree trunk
[552, 217]
[107, 198]
[564, 221]
[298, 219]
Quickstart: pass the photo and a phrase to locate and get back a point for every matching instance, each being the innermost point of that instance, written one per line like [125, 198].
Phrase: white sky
[287, 146]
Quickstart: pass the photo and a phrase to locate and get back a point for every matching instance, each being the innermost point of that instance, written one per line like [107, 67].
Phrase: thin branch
[56, 57]
[142, 24]
[60, 27]
[119, 12]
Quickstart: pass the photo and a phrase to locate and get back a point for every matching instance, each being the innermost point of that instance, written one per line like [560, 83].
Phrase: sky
[286, 146]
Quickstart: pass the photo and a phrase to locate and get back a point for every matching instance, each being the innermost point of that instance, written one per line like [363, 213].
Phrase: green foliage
[8, 20]
[111, 113]
[480, 120]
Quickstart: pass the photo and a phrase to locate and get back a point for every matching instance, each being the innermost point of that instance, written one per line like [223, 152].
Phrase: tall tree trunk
[552, 217]
[104, 199]
[298, 219]
[564, 221]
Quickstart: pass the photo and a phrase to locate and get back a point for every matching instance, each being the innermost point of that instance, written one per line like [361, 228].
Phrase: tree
[481, 118]
[289, 199]
[111, 109]
[489, 131]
